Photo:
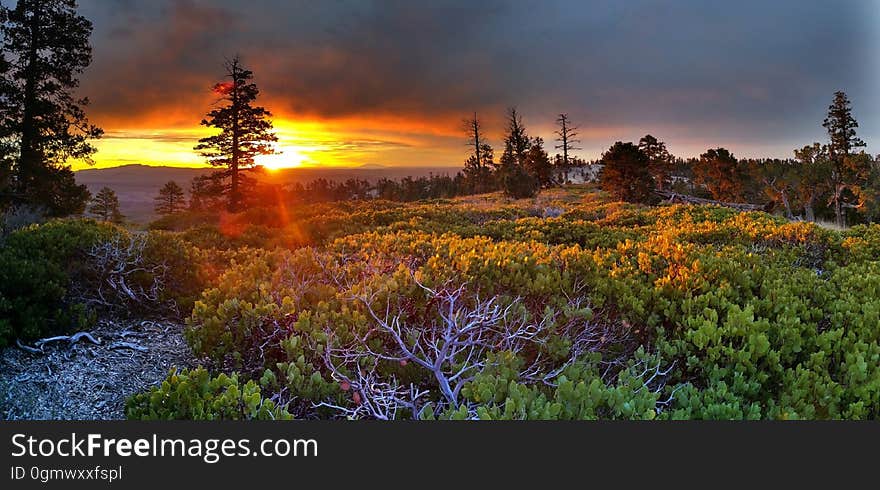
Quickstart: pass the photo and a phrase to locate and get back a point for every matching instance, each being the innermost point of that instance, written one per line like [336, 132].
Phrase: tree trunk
[234, 191]
[808, 209]
[788, 213]
[838, 209]
[477, 142]
[29, 157]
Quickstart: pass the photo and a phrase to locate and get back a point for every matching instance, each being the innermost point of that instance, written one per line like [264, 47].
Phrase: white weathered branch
[71, 339]
[128, 345]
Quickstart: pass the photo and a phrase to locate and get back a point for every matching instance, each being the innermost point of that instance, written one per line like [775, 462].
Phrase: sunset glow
[285, 158]
[376, 97]
[349, 142]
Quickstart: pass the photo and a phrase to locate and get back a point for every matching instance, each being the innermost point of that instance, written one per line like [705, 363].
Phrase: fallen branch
[27, 347]
[71, 339]
[128, 345]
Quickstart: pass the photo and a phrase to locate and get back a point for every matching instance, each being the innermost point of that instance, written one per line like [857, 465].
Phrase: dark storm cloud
[753, 73]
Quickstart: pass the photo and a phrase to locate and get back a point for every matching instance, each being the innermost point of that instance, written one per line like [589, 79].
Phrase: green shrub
[36, 267]
[196, 395]
[53, 277]
[518, 183]
[181, 282]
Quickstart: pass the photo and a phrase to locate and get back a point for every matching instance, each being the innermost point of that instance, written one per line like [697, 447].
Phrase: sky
[360, 82]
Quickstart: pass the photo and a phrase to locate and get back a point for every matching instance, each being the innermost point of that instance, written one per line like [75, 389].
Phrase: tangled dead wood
[88, 380]
[452, 341]
[123, 275]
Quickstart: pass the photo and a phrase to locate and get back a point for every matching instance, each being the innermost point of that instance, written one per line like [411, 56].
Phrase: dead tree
[566, 136]
[474, 130]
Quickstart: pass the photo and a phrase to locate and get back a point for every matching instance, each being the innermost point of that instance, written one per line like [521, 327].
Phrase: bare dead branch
[27, 347]
[128, 345]
[120, 267]
[70, 339]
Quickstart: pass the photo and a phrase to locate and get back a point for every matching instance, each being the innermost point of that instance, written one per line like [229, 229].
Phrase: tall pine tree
[516, 181]
[516, 142]
[841, 127]
[245, 132]
[47, 46]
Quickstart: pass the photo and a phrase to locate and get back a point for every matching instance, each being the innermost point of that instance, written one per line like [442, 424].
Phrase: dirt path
[85, 381]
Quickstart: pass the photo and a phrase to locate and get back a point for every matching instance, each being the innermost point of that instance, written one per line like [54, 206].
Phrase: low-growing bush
[36, 267]
[54, 277]
[196, 395]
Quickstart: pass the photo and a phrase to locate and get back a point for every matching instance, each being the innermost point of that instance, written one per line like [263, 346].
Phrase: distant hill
[137, 185]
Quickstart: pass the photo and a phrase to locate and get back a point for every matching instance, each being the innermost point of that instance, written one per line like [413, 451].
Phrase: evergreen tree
[538, 163]
[516, 181]
[625, 173]
[479, 175]
[105, 206]
[841, 127]
[46, 45]
[516, 142]
[719, 171]
[659, 160]
[478, 169]
[245, 132]
[170, 199]
[63, 195]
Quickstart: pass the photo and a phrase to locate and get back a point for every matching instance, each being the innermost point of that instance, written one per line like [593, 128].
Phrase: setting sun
[285, 158]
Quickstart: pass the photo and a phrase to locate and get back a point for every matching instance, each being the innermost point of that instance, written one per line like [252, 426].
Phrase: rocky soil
[81, 380]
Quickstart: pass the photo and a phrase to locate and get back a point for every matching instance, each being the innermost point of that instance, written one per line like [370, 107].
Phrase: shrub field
[569, 306]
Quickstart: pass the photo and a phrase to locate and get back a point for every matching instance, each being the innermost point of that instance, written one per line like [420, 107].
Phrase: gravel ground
[84, 381]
